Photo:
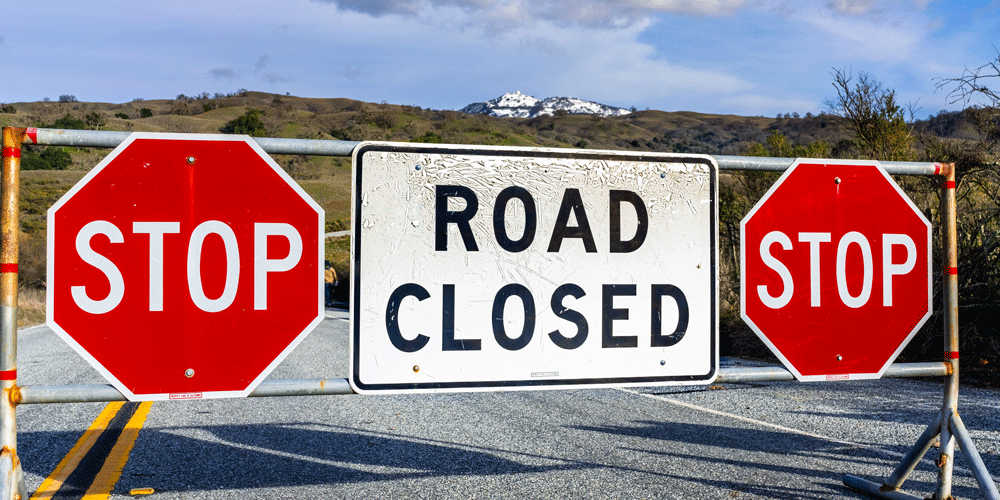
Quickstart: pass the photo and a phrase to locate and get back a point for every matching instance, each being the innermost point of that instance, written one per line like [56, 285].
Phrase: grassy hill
[328, 179]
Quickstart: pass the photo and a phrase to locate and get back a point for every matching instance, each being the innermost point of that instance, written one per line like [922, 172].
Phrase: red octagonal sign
[835, 265]
[185, 266]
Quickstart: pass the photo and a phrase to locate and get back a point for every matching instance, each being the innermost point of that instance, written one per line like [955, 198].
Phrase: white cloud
[609, 66]
[852, 7]
[697, 7]
[511, 13]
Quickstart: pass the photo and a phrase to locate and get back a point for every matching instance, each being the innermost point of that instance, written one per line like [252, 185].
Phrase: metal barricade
[947, 424]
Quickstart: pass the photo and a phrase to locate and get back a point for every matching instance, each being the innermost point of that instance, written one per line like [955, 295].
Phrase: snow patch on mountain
[520, 105]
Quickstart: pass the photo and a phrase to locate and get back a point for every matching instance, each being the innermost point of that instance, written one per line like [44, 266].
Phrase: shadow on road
[249, 456]
[761, 452]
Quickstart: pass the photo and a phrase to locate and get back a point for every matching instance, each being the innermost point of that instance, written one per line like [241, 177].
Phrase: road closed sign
[481, 268]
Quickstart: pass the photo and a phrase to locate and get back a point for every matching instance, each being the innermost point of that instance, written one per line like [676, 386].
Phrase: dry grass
[30, 307]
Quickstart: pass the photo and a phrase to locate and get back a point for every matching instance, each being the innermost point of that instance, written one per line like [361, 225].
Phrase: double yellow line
[96, 460]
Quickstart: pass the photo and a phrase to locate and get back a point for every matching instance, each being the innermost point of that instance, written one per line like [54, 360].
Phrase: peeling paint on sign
[586, 251]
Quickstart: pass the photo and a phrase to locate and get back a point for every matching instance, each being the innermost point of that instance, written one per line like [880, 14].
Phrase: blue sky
[745, 57]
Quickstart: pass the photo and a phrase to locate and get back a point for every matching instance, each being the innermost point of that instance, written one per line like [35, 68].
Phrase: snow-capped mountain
[525, 106]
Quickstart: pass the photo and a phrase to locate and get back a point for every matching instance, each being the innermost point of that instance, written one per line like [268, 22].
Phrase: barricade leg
[971, 455]
[10, 465]
[910, 461]
[947, 424]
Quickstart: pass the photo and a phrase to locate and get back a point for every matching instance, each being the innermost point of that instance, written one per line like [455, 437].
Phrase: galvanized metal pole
[951, 424]
[108, 139]
[13, 481]
[46, 394]
[979, 470]
[949, 230]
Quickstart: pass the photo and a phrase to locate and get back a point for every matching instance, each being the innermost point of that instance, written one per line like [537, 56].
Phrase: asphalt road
[778, 440]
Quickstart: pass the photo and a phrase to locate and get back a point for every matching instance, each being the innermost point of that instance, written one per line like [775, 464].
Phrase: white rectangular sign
[480, 268]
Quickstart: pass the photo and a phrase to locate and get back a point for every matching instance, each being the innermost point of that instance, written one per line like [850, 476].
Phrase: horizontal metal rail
[40, 394]
[106, 139]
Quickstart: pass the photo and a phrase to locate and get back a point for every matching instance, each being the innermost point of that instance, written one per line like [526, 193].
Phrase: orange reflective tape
[8, 375]
[951, 271]
[8, 268]
[951, 355]
[10, 152]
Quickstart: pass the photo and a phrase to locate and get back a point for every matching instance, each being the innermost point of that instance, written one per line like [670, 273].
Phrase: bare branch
[973, 83]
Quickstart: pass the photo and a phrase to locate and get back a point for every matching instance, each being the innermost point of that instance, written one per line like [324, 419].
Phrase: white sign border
[528, 384]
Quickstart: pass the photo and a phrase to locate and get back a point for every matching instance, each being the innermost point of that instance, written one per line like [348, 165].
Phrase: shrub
[145, 113]
[384, 120]
[123, 116]
[429, 137]
[339, 134]
[248, 123]
[51, 158]
[68, 122]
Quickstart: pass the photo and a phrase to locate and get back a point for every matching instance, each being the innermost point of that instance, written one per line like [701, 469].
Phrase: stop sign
[835, 263]
[185, 266]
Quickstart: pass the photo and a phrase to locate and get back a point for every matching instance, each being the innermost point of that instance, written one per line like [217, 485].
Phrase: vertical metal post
[949, 229]
[12, 478]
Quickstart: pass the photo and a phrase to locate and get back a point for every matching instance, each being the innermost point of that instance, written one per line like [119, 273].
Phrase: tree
[95, 119]
[978, 194]
[248, 123]
[67, 98]
[872, 115]
[972, 86]
[145, 113]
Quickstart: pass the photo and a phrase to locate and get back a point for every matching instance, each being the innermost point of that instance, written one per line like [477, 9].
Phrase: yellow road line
[72, 459]
[104, 481]
[108, 476]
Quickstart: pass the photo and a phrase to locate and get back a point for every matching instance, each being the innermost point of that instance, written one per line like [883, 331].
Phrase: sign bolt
[836, 180]
[416, 368]
[189, 372]
[190, 160]
[663, 362]
[416, 167]
[840, 358]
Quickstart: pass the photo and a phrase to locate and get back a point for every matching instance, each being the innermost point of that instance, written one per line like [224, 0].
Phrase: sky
[743, 57]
